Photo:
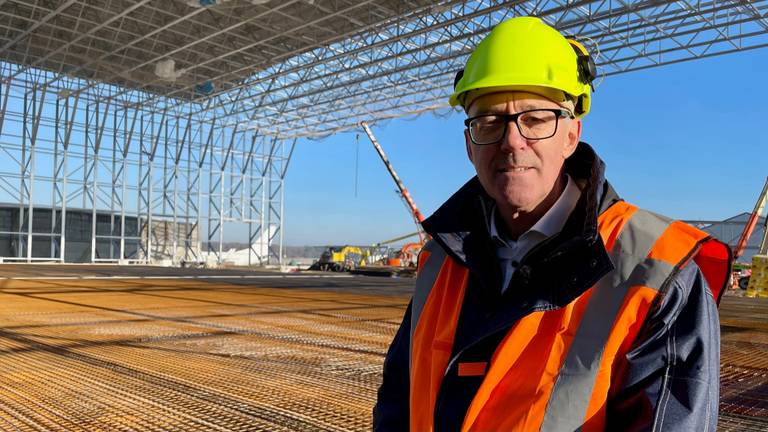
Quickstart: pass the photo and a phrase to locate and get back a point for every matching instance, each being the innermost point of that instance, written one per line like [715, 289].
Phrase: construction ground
[106, 348]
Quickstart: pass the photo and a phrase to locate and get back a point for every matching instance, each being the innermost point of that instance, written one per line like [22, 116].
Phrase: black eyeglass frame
[559, 113]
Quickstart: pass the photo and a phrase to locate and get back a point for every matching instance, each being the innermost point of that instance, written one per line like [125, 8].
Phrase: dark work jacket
[672, 378]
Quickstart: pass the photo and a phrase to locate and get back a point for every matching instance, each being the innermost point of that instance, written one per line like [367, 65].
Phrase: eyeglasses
[534, 124]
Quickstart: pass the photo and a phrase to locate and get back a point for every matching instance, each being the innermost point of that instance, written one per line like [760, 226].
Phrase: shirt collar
[553, 220]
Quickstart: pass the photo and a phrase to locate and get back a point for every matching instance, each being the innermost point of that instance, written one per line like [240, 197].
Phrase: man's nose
[512, 139]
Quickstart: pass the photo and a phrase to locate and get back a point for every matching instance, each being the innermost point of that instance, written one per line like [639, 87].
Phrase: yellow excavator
[341, 258]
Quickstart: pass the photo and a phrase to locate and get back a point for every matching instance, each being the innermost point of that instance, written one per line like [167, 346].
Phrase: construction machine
[341, 258]
[741, 272]
[406, 256]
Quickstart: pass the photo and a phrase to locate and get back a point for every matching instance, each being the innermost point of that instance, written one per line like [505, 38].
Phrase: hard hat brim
[555, 95]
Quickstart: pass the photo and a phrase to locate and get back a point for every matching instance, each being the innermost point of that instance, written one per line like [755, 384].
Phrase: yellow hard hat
[524, 53]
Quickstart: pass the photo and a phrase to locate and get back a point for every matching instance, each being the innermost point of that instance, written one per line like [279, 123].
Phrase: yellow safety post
[758, 281]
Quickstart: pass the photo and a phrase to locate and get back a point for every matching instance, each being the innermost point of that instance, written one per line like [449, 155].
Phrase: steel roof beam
[92, 30]
[265, 41]
[718, 40]
[380, 59]
[399, 35]
[37, 24]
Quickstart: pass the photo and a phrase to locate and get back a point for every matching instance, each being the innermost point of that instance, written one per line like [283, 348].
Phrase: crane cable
[357, 157]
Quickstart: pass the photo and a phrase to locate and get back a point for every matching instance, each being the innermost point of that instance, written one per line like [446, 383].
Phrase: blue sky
[686, 140]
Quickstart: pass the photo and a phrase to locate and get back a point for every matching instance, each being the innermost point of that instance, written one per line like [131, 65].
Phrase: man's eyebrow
[490, 112]
[526, 107]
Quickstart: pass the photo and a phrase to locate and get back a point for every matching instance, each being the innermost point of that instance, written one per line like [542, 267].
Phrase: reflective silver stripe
[651, 273]
[567, 406]
[424, 282]
[640, 233]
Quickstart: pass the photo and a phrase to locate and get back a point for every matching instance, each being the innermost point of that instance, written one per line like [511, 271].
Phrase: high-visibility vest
[554, 369]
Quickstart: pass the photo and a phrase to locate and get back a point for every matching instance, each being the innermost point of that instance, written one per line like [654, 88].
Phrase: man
[544, 302]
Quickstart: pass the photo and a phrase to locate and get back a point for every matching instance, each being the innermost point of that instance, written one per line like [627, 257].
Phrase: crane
[742, 274]
[415, 213]
[396, 239]
[750, 226]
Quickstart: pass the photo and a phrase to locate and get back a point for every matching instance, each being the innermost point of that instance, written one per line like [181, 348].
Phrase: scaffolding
[169, 118]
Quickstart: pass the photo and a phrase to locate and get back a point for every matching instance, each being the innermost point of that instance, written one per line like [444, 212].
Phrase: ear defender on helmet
[586, 65]
[457, 78]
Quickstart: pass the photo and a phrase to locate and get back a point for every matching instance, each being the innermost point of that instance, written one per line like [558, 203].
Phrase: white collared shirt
[548, 225]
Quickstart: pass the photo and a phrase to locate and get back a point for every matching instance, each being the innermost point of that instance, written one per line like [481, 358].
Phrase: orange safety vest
[553, 370]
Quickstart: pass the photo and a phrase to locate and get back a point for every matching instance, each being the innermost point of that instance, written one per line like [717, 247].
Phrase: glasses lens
[537, 124]
[487, 129]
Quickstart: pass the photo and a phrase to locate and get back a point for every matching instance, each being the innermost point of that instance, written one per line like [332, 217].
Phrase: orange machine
[406, 256]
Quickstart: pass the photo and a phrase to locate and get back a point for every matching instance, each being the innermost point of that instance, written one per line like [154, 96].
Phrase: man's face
[518, 172]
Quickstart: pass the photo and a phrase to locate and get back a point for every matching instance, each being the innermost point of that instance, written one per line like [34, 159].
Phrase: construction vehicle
[341, 258]
[408, 253]
[406, 256]
[741, 273]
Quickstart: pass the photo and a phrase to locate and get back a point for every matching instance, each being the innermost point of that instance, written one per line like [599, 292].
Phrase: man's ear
[468, 142]
[572, 141]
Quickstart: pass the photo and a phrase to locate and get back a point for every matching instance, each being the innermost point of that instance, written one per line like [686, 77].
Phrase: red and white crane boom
[415, 213]
[751, 223]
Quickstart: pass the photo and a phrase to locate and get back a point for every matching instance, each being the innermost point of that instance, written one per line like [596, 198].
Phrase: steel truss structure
[167, 118]
[151, 181]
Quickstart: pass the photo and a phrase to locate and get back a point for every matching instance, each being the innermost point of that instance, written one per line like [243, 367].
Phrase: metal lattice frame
[150, 182]
[86, 120]
[303, 68]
